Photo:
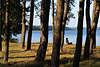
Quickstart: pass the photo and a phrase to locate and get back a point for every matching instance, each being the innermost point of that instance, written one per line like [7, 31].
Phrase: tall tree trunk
[1, 25]
[64, 23]
[23, 26]
[30, 26]
[53, 18]
[94, 26]
[79, 34]
[6, 35]
[94, 9]
[87, 43]
[57, 34]
[45, 6]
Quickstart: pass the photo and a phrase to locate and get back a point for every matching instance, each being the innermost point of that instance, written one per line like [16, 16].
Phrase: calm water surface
[70, 34]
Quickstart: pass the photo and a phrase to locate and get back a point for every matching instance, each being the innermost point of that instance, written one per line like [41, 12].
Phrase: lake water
[70, 34]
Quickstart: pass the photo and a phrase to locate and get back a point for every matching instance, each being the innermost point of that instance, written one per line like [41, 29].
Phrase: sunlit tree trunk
[6, 34]
[57, 33]
[22, 42]
[64, 23]
[87, 43]
[94, 9]
[45, 6]
[53, 18]
[79, 34]
[30, 26]
[0, 25]
[94, 25]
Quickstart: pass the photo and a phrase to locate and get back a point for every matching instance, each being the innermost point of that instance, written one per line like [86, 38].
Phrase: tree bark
[6, 34]
[94, 26]
[30, 26]
[45, 6]
[57, 34]
[0, 25]
[64, 23]
[53, 29]
[87, 43]
[79, 34]
[23, 26]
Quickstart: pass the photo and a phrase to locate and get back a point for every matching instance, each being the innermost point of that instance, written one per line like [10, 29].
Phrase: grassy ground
[21, 58]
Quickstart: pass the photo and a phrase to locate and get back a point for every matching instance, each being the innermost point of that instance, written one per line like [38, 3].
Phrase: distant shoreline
[37, 28]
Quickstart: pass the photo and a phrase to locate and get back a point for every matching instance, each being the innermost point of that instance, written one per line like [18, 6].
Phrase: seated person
[67, 42]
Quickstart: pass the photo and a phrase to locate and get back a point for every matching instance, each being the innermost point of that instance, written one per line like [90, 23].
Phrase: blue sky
[72, 22]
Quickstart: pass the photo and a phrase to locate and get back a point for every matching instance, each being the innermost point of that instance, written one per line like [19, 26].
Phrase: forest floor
[19, 57]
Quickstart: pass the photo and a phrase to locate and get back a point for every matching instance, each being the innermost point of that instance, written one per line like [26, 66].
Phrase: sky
[72, 22]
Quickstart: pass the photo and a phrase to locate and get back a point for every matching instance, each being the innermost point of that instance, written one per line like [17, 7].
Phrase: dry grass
[16, 54]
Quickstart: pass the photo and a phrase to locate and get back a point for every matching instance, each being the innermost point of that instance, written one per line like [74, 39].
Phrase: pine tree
[6, 35]
[0, 25]
[30, 26]
[79, 34]
[57, 33]
[64, 23]
[45, 6]
[94, 25]
[22, 42]
[87, 43]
